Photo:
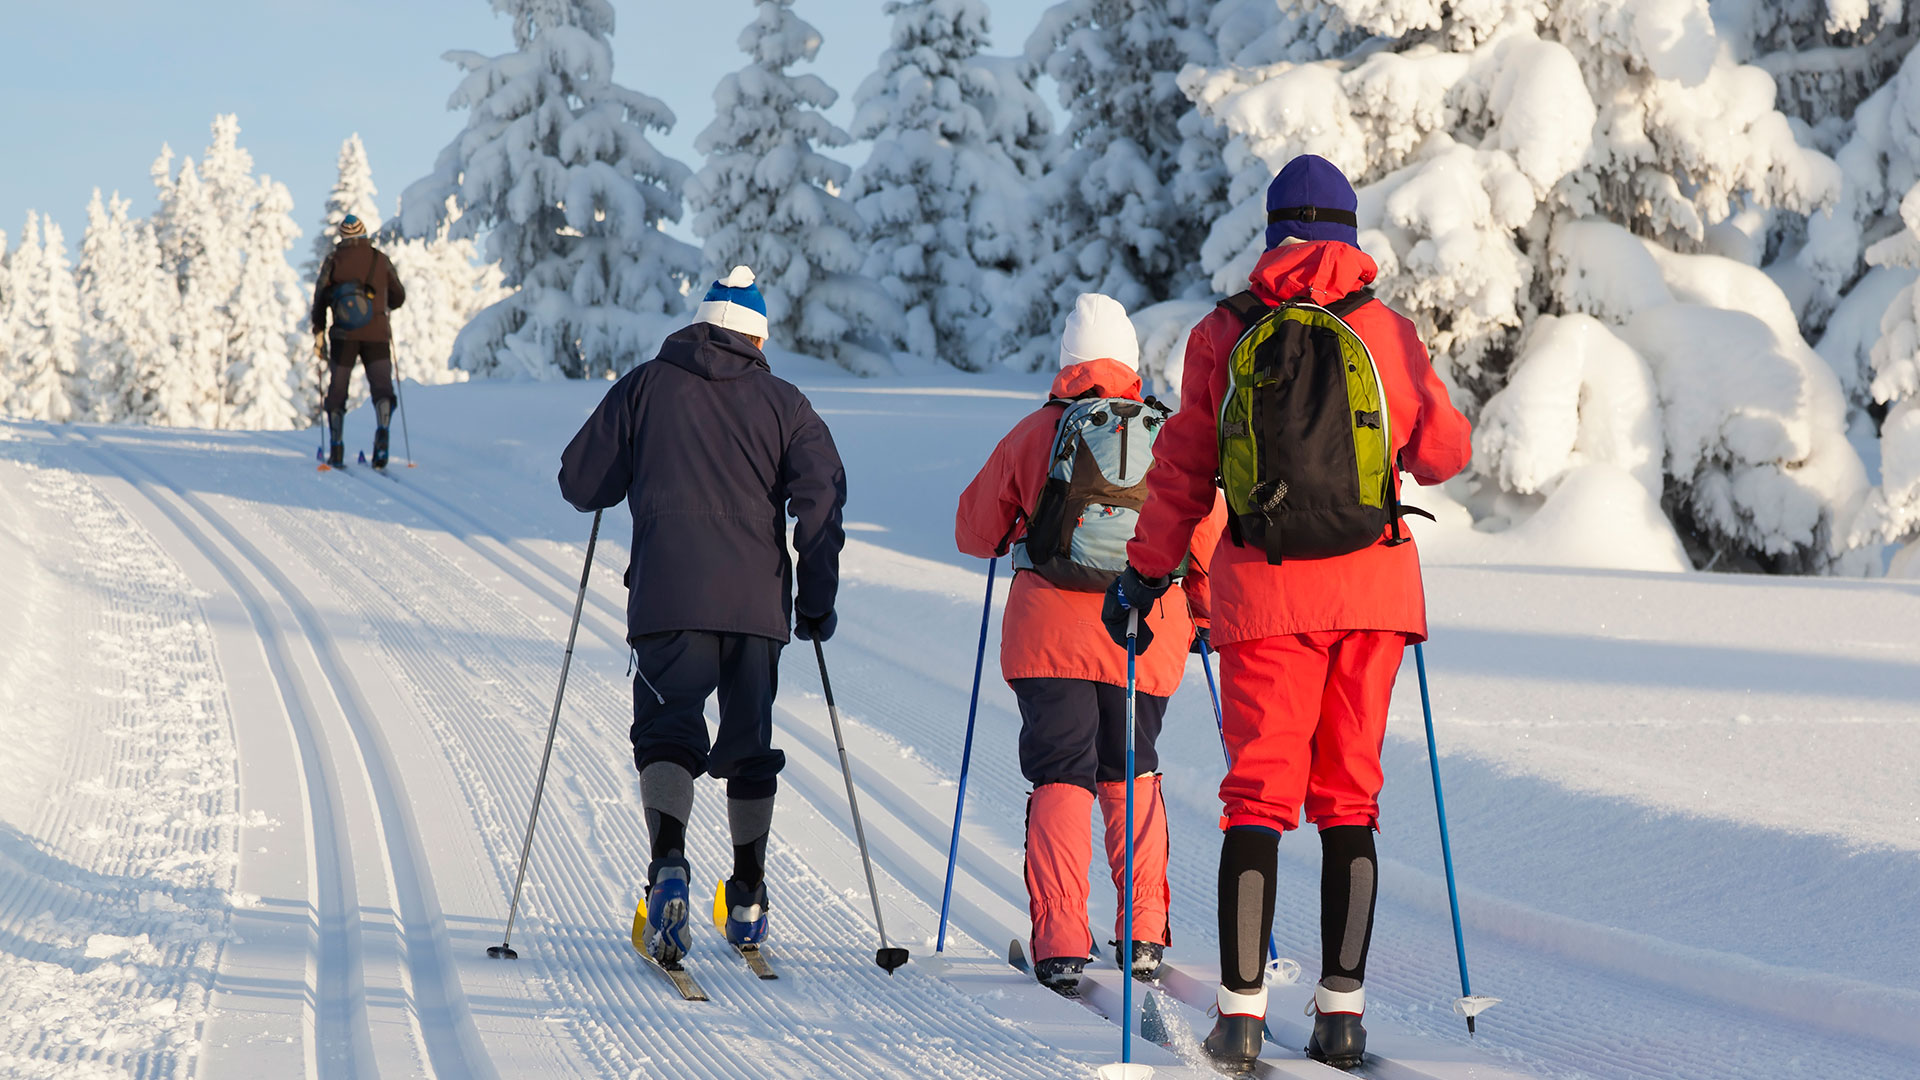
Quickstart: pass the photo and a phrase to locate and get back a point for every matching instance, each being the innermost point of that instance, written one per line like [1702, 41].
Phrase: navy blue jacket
[712, 452]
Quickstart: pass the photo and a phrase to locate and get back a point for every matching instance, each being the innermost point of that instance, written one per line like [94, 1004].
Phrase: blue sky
[92, 90]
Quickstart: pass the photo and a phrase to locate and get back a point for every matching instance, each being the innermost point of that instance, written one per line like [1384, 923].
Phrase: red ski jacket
[1055, 633]
[1375, 588]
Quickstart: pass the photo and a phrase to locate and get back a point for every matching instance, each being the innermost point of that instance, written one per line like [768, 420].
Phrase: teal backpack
[1077, 534]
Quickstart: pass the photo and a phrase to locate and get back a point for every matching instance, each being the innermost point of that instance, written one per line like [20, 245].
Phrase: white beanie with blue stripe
[734, 302]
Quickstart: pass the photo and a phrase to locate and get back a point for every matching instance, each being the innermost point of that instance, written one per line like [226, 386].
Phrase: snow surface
[270, 736]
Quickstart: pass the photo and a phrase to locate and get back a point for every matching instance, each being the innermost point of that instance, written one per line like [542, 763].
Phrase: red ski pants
[1059, 850]
[1304, 716]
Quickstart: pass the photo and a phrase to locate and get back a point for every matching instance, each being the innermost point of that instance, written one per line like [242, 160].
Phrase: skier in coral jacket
[1069, 679]
[1309, 648]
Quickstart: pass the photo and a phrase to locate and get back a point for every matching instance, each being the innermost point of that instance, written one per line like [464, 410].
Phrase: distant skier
[1062, 489]
[712, 453]
[357, 286]
[1315, 601]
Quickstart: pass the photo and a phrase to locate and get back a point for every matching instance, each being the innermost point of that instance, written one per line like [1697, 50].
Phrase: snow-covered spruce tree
[353, 193]
[6, 322]
[447, 285]
[126, 314]
[946, 189]
[221, 231]
[555, 167]
[1519, 160]
[45, 326]
[1894, 513]
[1116, 224]
[767, 199]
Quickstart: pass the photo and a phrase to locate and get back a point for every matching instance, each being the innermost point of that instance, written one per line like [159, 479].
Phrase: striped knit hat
[734, 302]
[352, 228]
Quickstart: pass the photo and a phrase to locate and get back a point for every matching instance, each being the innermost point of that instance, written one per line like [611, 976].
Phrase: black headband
[1311, 214]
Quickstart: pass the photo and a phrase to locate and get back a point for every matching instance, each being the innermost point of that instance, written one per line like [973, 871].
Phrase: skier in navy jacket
[712, 453]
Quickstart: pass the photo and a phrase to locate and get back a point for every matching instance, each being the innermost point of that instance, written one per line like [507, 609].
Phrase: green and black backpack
[1306, 446]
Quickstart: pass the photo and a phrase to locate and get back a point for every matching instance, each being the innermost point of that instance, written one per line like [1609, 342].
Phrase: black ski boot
[1238, 1032]
[1338, 1038]
[336, 424]
[1147, 958]
[1061, 974]
[382, 416]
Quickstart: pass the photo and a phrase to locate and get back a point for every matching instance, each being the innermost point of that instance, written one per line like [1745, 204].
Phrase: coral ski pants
[1305, 715]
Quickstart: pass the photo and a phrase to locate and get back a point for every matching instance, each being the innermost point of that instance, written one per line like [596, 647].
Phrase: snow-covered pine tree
[1520, 160]
[197, 256]
[6, 321]
[1895, 509]
[555, 167]
[126, 303]
[353, 193]
[766, 198]
[447, 285]
[946, 189]
[46, 325]
[1117, 226]
[224, 238]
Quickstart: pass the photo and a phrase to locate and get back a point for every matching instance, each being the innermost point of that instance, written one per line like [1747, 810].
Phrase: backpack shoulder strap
[1246, 306]
[1350, 303]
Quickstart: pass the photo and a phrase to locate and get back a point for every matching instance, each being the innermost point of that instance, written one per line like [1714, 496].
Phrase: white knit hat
[735, 303]
[1098, 329]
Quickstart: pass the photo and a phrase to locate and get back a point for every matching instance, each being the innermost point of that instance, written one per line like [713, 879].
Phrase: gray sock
[750, 821]
[666, 794]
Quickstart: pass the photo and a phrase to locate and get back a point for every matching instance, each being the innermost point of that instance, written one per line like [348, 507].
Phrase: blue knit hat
[735, 303]
[1312, 199]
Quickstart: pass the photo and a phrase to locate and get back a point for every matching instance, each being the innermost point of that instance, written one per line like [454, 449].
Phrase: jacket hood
[1323, 272]
[712, 352]
[1106, 378]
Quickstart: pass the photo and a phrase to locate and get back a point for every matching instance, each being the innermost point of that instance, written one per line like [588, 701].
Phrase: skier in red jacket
[1069, 679]
[1309, 648]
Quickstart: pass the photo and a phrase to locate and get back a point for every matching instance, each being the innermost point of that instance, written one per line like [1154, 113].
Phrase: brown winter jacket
[358, 260]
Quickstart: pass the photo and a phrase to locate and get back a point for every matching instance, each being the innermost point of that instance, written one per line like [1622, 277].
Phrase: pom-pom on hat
[1312, 199]
[735, 303]
[1098, 329]
[352, 228]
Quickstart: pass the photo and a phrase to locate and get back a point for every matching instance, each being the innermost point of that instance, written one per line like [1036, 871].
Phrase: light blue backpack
[1096, 483]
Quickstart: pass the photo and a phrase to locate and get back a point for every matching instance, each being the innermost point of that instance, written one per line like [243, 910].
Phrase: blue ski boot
[337, 451]
[667, 935]
[746, 913]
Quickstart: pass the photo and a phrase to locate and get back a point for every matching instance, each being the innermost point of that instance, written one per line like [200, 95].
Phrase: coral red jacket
[1055, 633]
[1376, 588]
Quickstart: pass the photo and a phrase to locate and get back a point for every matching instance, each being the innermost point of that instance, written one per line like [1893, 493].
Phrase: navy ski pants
[1074, 731]
[686, 667]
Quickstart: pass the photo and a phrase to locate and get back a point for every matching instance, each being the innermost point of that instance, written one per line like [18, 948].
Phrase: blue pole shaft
[1440, 807]
[1220, 723]
[966, 760]
[1126, 945]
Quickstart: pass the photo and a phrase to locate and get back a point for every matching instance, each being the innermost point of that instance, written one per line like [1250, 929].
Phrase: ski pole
[1220, 724]
[504, 950]
[1469, 1005]
[401, 400]
[966, 759]
[1126, 944]
[888, 957]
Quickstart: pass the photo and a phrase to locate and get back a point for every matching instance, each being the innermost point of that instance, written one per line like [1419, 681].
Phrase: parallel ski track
[590, 963]
[444, 1024]
[343, 1043]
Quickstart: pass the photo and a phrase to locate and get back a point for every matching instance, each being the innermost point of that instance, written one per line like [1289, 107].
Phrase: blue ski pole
[966, 760]
[1220, 725]
[1468, 1005]
[1126, 944]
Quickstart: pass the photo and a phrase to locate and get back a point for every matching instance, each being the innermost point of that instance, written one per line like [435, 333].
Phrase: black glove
[814, 627]
[1130, 593]
[1201, 641]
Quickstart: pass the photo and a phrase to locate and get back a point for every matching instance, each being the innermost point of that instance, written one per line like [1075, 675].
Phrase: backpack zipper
[1123, 448]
